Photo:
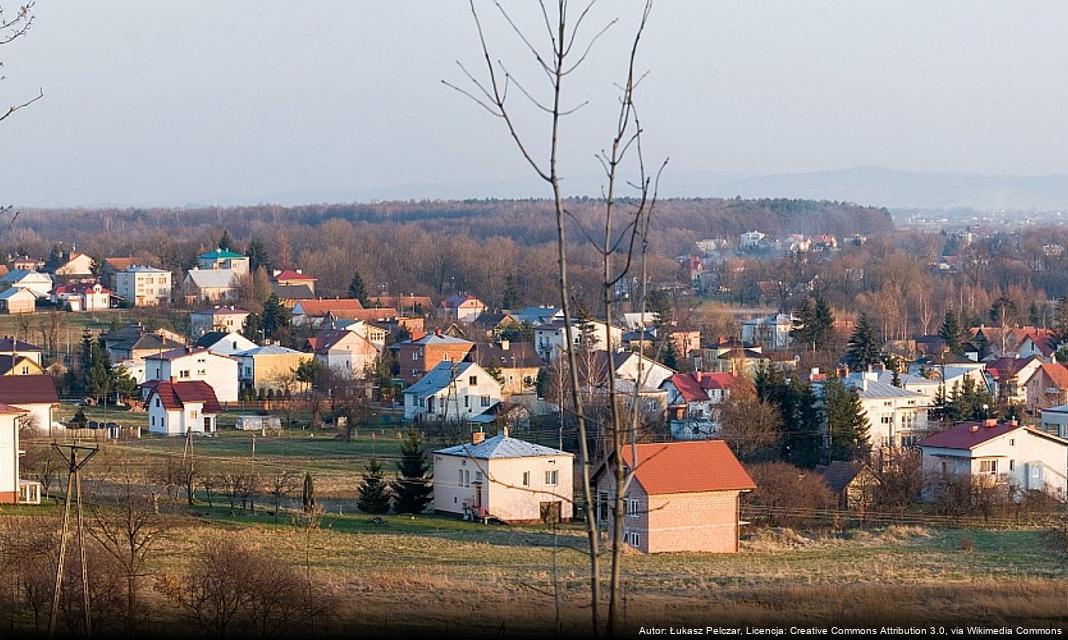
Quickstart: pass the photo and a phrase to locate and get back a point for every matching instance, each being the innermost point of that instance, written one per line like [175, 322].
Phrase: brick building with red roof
[685, 496]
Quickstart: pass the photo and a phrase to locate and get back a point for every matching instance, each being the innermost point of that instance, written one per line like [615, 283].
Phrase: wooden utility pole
[74, 485]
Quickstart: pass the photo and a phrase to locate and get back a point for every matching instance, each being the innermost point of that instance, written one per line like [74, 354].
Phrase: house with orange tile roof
[1046, 387]
[684, 496]
[312, 312]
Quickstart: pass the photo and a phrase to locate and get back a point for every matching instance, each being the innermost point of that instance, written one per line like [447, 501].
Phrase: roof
[693, 387]
[20, 390]
[79, 288]
[120, 264]
[321, 307]
[211, 338]
[454, 301]
[6, 408]
[140, 268]
[221, 311]
[400, 301]
[687, 467]
[174, 354]
[8, 362]
[270, 350]
[871, 389]
[327, 339]
[291, 274]
[1006, 368]
[175, 395]
[292, 291]
[219, 254]
[9, 344]
[15, 291]
[213, 278]
[434, 338]
[439, 377]
[961, 435]
[1057, 373]
[838, 475]
[735, 354]
[501, 446]
[517, 355]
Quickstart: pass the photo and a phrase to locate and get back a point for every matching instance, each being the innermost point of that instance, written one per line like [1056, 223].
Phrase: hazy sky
[164, 102]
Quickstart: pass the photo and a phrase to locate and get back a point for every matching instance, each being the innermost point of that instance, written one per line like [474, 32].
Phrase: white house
[1000, 451]
[175, 408]
[12, 488]
[345, 351]
[451, 391]
[550, 339]
[751, 239]
[34, 394]
[228, 319]
[212, 285]
[896, 417]
[772, 332]
[225, 343]
[504, 478]
[74, 264]
[40, 284]
[463, 308]
[83, 296]
[143, 286]
[181, 365]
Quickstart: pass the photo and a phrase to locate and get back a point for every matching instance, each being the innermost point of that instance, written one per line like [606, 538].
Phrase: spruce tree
[307, 496]
[510, 299]
[258, 256]
[357, 289]
[374, 494]
[847, 423]
[277, 323]
[804, 447]
[865, 347]
[951, 332]
[412, 491]
[225, 243]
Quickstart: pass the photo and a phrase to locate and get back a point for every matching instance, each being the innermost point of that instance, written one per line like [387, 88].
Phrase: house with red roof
[312, 312]
[294, 278]
[1047, 387]
[997, 452]
[187, 364]
[177, 408]
[684, 496]
[1010, 375]
[693, 402]
[83, 296]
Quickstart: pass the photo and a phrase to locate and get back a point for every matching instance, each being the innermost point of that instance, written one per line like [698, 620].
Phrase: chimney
[974, 428]
[503, 431]
[505, 344]
[990, 423]
[1013, 422]
[478, 437]
[814, 372]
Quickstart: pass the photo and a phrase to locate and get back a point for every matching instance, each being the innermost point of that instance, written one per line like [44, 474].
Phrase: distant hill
[884, 187]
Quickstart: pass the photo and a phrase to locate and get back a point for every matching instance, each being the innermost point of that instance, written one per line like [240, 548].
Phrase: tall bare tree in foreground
[14, 25]
[625, 232]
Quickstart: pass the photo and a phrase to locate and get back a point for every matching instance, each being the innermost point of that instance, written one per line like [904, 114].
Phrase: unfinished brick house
[417, 357]
[684, 497]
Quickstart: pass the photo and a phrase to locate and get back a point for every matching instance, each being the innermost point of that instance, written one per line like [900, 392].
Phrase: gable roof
[37, 389]
[454, 301]
[837, 475]
[9, 344]
[292, 291]
[218, 254]
[174, 354]
[962, 436]
[292, 274]
[501, 446]
[270, 350]
[517, 355]
[175, 395]
[213, 278]
[1007, 368]
[321, 307]
[440, 377]
[1057, 374]
[9, 362]
[694, 387]
[212, 338]
[327, 339]
[686, 467]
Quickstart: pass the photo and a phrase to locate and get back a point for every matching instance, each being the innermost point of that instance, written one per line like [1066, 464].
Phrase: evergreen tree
[940, 409]
[277, 323]
[803, 441]
[951, 332]
[307, 496]
[510, 299]
[412, 491]
[373, 496]
[671, 355]
[258, 256]
[357, 289]
[865, 346]
[1034, 316]
[1060, 320]
[824, 321]
[815, 323]
[659, 302]
[225, 243]
[252, 328]
[847, 423]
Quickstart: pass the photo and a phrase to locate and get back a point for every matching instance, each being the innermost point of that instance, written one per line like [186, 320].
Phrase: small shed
[258, 423]
[853, 484]
[16, 300]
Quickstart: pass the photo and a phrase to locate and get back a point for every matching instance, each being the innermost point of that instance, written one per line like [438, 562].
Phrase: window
[1012, 465]
[467, 401]
[602, 506]
[478, 476]
[467, 477]
[461, 472]
[415, 355]
[485, 401]
[632, 538]
[633, 508]
[551, 477]
[1012, 442]
[473, 381]
[526, 478]
[988, 466]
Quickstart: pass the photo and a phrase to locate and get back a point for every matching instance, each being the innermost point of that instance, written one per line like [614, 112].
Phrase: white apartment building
[143, 286]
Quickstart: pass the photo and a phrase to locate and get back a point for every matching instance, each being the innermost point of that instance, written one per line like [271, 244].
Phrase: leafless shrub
[787, 496]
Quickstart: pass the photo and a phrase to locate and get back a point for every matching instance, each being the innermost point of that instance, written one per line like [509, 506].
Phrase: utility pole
[74, 482]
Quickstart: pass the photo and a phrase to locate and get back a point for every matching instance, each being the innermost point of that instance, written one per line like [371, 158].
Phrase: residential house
[294, 278]
[224, 260]
[26, 263]
[82, 296]
[375, 334]
[538, 315]
[143, 286]
[312, 312]
[896, 417]
[177, 408]
[1016, 342]
[19, 365]
[112, 266]
[495, 323]
[741, 362]
[290, 294]
[210, 285]
[631, 321]
[1010, 376]
[13, 346]
[685, 341]
[13, 489]
[134, 343]
[228, 319]
[39, 284]
[684, 496]
[551, 339]
[409, 304]
[1000, 452]
[451, 391]
[346, 352]
[271, 367]
[186, 364]
[463, 308]
[514, 364]
[853, 484]
[505, 479]
[224, 343]
[1055, 420]
[770, 332]
[417, 357]
[16, 301]
[34, 394]
[694, 400]
[73, 264]
[751, 239]
[1047, 387]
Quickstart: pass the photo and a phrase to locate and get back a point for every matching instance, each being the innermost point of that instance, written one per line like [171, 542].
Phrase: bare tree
[281, 486]
[616, 245]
